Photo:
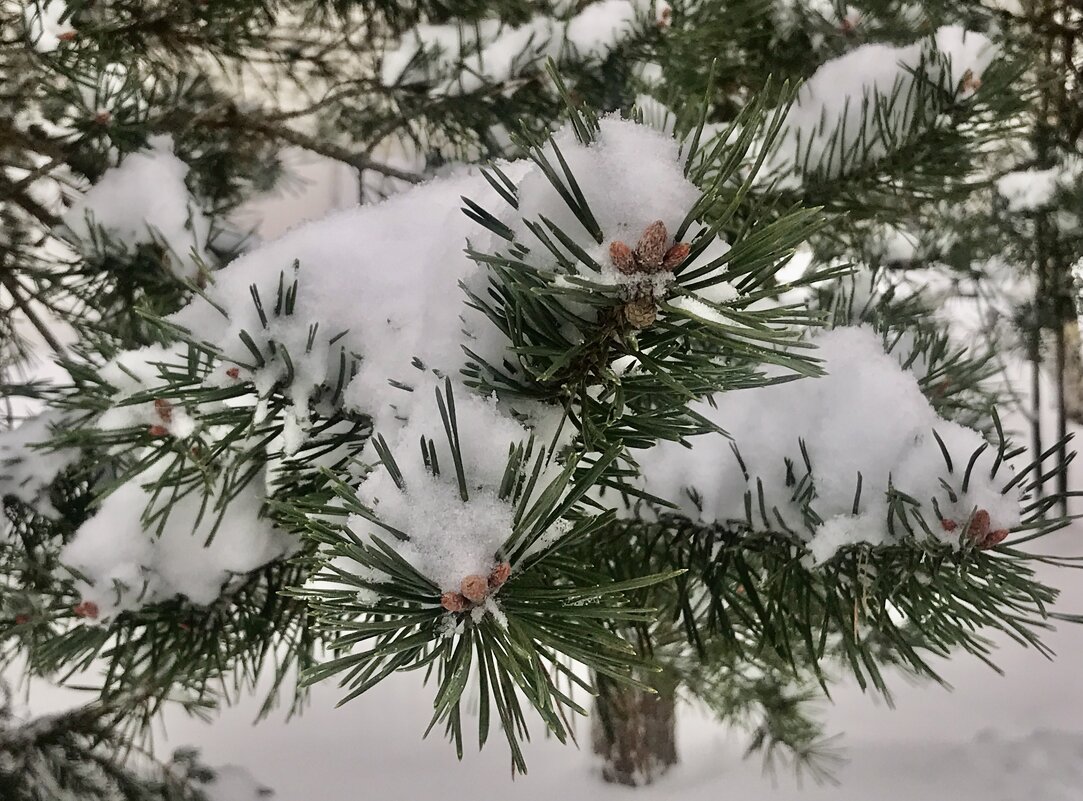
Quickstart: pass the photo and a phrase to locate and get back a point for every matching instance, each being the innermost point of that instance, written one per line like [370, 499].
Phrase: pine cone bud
[675, 255]
[453, 601]
[970, 82]
[158, 431]
[475, 588]
[164, 409]
[67, 36]
[499, 575]
[87, 609]
[22, 619]
[652, 247]
[979, 527]
[234, 372]
[994, 538]
[640, 312]
[948, 525]
[622, 257]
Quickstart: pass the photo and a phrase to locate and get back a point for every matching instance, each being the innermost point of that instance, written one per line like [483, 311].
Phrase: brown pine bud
[22, 619]
[675, 255]
[158, 431]
[234, 372]
[453, 602]
[970, 82]
[994, 538]
[87, 609]
[979, 526]
[102, 118]
[948, 525]
[499, 575]
[640, 312]
[164, 409]
[475, 588]
[66, 36]
[622, 257]
[652, 247]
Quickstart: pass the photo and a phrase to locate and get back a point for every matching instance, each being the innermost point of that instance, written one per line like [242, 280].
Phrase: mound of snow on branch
[145, 201]
[866, 416]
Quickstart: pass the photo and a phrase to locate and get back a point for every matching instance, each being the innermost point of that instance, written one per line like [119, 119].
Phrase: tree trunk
[634, 732]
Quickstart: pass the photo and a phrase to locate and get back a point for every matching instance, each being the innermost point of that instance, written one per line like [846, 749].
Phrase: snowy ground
[1017, 737]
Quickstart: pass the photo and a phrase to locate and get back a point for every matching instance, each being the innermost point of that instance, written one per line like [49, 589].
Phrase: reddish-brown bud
[453, 601]
[158, 431]
[475, 588]
[22, 619]
[948, 525]
[87, 609]
[622, 257]
[164, 409]
[499, 575]
[675, 255]
[234, 372]
[979, 526]
[994, 538]
[652, 247]
[67, 36]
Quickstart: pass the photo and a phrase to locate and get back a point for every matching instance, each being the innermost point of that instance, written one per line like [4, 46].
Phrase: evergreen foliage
[610, 348]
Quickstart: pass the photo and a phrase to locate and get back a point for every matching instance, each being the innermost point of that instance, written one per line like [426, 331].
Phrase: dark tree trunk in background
[634, 732]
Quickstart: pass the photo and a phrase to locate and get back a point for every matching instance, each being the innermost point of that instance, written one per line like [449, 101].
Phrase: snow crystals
[461, 59]
[828, 126]
[145, 201]
[140, 548]
[27, 466]
[866, 416]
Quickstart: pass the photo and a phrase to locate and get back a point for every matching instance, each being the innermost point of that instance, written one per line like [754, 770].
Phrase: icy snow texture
[388, 275]
[827, 122]
[449, 539]
[464, 58]
[127, 563]
[144, 200]
[867, 416]
[26, 469]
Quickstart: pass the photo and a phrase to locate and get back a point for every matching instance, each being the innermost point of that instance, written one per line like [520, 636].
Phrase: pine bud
[453, 601]
[970, 82]
[234, 372]
[994, 538]
[475, 588]
[499, 575]
[158, 431]
[164, 409]
[67, 36]
[640, 312]
[948, 525]
[675, 255]
[22, 619]
[979, 527]
[621, 256]
[87, 609]
[652, 247]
